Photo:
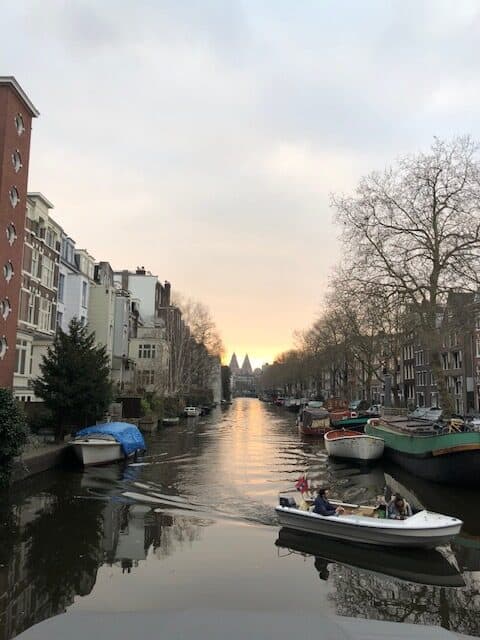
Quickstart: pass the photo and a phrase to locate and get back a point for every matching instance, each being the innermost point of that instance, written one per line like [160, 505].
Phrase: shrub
[13, 433]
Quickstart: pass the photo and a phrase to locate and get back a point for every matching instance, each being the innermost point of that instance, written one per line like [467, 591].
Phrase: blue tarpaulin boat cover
[126, 434]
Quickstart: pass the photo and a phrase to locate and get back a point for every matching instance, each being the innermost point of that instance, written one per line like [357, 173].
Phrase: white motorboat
[360, 524]
[91, 450]
[192, 412]
[109, 442]
[170, 421]
[340, 443]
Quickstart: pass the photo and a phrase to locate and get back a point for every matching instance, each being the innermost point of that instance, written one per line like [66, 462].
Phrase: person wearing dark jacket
[323, 507]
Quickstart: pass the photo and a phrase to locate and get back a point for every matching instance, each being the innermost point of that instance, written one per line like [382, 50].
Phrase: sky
[203, 139]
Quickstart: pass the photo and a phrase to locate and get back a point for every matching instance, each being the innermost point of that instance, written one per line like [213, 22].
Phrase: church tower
[247, 367]
[234, 368]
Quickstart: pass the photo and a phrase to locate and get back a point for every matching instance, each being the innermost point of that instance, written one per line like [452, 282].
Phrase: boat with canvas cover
[109, 442]
[422, 566]
[352, 445]
[360, 524]
[313, 420]
[448, 454]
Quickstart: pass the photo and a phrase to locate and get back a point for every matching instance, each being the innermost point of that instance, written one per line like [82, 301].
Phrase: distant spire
[246, 367]
[234, 368]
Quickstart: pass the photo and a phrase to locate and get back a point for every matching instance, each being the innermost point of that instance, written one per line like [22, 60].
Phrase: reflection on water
[211, 484]
[53, 542]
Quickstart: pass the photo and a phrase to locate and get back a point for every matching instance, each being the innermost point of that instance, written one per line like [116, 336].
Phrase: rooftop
[12, 82]
[36, 195]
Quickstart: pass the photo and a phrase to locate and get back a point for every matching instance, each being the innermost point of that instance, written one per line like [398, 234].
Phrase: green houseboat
[429, 451]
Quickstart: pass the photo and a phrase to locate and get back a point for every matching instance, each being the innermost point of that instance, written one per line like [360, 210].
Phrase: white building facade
[38, 296]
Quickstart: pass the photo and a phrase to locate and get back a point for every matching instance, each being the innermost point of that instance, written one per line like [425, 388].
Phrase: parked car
[358, 405]
[192, 412]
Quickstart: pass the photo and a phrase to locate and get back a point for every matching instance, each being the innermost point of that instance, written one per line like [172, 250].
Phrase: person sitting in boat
[322, 506]
[399, 509]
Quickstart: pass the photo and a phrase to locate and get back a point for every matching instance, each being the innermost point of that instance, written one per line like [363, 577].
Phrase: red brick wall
[10, 141]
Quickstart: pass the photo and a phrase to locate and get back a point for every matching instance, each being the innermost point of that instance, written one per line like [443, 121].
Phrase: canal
[192, 526]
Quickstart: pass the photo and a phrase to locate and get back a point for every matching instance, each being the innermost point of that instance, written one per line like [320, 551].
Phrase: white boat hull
[358, 447]
[424, 529]
[96, 452]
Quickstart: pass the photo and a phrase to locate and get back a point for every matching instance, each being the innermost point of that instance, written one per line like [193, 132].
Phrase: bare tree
[195, 345]
[413, 232]
[373, 324]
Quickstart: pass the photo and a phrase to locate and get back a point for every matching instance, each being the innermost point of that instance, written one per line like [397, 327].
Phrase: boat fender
[353, 414]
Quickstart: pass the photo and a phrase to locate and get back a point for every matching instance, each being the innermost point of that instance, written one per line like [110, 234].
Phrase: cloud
[202, 138]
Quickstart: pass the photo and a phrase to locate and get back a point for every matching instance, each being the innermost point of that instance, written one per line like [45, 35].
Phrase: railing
[394, 411]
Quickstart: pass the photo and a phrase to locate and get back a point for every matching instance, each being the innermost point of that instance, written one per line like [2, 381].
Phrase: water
[193, 526]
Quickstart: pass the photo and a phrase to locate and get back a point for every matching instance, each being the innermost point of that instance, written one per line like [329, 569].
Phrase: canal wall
[38, 460]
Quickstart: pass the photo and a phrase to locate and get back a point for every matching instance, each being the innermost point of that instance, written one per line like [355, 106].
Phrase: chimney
[125, 279]
[167, 288]
[140, 271]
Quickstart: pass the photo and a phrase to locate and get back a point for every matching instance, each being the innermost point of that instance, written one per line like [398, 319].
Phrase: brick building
[16, 114]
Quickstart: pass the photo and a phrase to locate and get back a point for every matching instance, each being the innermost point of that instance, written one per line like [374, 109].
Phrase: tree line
[410, 238]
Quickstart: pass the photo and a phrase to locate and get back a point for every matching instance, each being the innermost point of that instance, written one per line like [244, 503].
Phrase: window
[458, 386]
[44, 315]
[148, 351]
[3, 347]
[47, 272]
[5, 308]
[84, 294]
[445, 361]
[11, 233]
[50, 238]
[61, 287]
[59, 319]
[35, 264]
[146, 378]
[477, 323]
[21, 356]
[457, 359]
[8, 271]
[14, 196]
[419, 358]
[421, 378]
[17, 161]
[32, 305]
[19, 124]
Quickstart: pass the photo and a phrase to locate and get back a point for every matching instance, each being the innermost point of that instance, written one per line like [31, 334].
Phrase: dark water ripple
[195, 517]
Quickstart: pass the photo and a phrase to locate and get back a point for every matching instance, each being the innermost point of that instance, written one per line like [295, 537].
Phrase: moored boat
[439, 453]
[360, 524]
[170, 421]
[313, 421]
[340, 443]
[355, 423]
[109, 442]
